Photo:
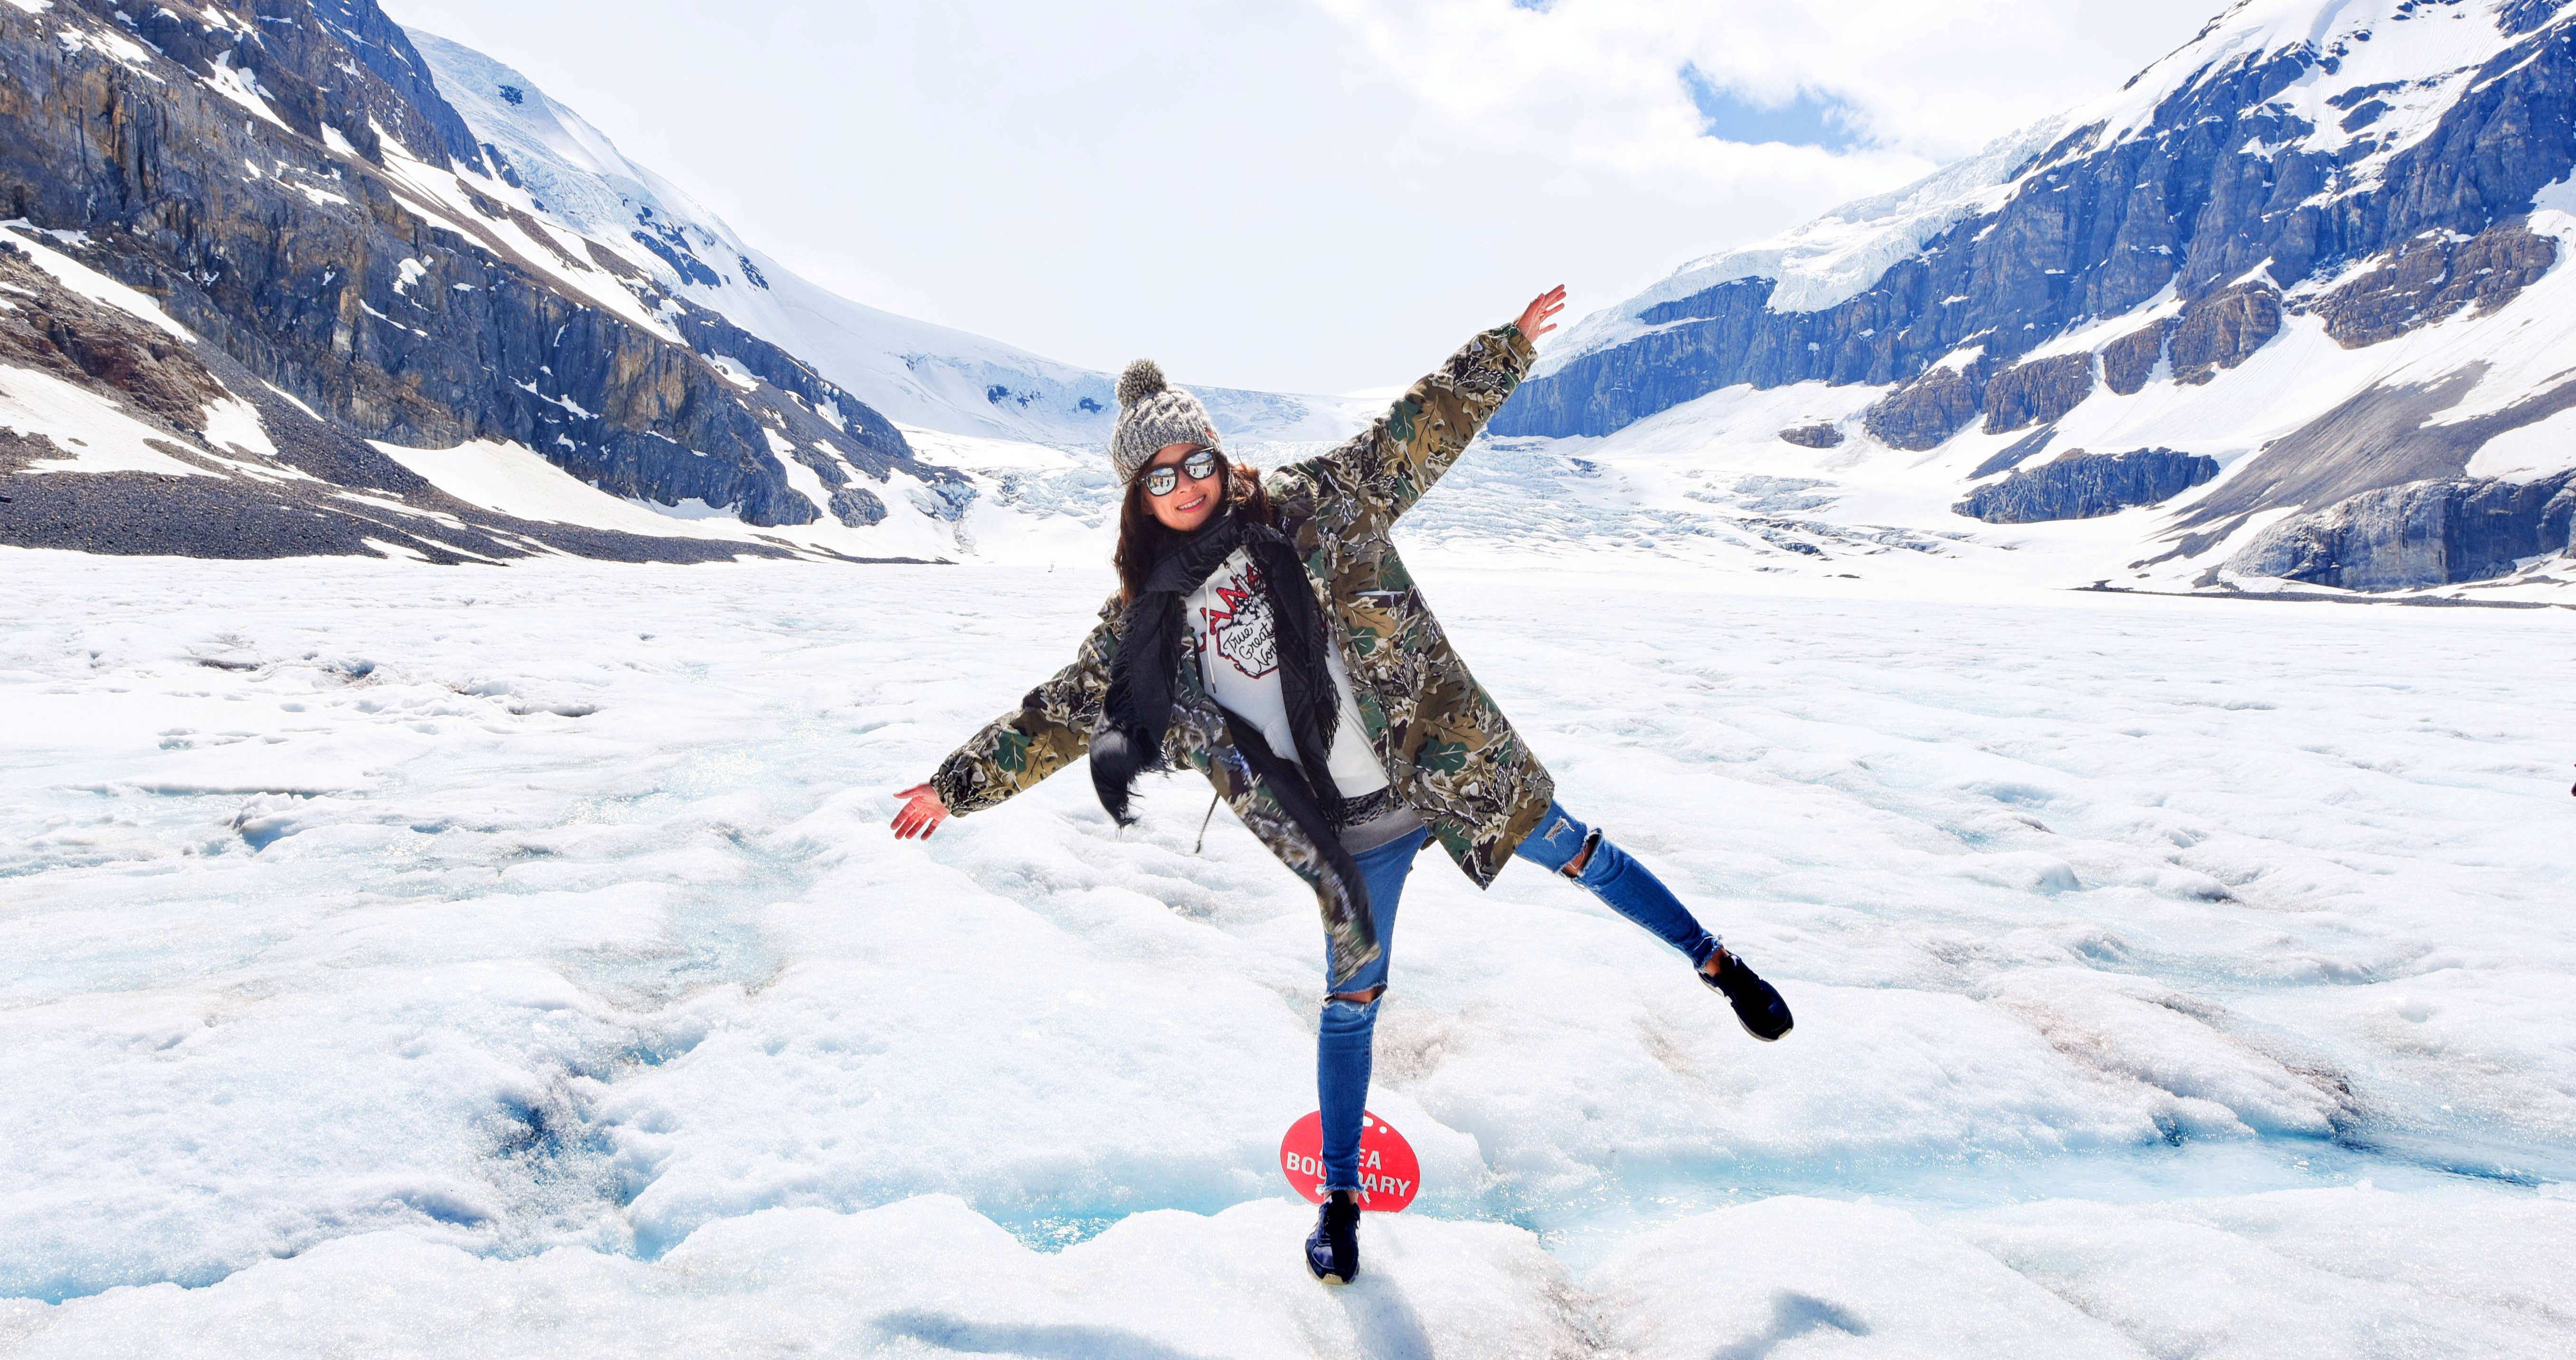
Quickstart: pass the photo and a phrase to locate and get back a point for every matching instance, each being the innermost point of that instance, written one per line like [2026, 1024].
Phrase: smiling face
[1192, 500]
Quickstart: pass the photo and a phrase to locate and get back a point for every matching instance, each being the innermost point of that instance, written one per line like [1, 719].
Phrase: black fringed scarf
[1138, 707]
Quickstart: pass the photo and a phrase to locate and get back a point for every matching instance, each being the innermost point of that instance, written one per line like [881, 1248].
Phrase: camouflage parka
[1447, 750]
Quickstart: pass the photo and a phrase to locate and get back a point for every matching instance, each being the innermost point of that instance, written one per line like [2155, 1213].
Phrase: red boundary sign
[1389, 1173]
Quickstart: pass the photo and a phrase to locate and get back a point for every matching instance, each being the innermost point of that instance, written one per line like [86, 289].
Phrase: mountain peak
[2304, 179]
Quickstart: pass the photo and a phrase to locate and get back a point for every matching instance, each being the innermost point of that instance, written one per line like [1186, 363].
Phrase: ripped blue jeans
[1342, 1045]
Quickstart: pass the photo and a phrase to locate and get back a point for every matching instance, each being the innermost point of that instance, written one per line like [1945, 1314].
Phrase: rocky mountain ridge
[2317, 255]
[283, 184]
[2364, 172]
[921, 374]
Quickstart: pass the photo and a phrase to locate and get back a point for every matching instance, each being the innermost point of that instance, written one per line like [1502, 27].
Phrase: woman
[1266, 634]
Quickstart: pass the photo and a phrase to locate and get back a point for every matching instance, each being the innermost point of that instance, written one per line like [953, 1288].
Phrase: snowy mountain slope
[1824, 262]
[277, 213]
[919, 374]
[2111, 283]
[2321, 245]
[1712, 485]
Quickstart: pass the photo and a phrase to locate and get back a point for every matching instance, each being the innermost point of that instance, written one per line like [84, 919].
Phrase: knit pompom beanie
[1151, 414]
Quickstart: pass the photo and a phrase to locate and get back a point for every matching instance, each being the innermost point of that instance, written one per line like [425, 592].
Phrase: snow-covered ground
[399, 960]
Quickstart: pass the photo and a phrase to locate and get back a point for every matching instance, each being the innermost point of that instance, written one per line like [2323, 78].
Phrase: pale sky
[1298, 195]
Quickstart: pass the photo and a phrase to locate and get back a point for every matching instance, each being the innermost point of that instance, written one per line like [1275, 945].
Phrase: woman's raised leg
[1629, 888]
[1568, 847]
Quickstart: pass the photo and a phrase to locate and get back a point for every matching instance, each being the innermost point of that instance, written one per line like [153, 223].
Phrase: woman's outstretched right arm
[1051, 727]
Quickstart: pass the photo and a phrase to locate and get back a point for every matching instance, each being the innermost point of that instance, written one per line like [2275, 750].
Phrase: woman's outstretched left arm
[1390, 464]
[1048, 731]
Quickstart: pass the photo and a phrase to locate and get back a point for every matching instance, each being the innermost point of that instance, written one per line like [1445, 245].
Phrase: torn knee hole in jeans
[1582, 858]
[1358, 998]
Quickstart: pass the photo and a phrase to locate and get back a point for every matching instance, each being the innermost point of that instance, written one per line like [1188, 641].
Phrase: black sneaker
[1333, 1248]
[1757, 1004]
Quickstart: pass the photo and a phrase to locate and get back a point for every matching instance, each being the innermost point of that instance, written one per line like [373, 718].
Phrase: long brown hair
[1142, 538]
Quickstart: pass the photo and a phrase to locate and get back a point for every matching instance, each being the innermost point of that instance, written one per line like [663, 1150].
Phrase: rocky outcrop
[1943, 401]
[2525, 16]
[2129, 362]
[340, 65]
[856, 508]
[331, 269]
[1926, 411]
[50, 329]
[2218, 186]
[2433, 276]
[1813, 436]
[2221, 331]
[2215, 333]
[2037, 392]
[2080, 485]
[2420, 534]
[710, 333]
[318, 491]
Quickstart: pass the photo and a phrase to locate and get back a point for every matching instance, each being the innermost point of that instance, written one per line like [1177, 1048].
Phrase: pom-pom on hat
[1151, 414]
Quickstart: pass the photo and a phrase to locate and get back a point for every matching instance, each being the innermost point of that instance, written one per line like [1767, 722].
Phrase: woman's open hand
[1537, 318]
[923, 811]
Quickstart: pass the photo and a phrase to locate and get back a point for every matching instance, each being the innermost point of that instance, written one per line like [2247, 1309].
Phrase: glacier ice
[415, 962]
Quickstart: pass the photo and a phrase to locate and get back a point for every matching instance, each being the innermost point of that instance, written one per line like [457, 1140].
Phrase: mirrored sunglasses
[1164, 480]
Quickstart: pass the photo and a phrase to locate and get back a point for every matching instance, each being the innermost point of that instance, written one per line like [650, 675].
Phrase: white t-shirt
[1238, 649]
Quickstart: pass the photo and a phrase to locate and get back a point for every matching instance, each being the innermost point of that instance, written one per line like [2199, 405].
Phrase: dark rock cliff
[2037, 392]
[321, 491]
[2214, 190]
[2420, 534]
[2222, 330]
[2428, 279]
[49, 329]
[1931, 408]
[286, 230]
[2080, 485]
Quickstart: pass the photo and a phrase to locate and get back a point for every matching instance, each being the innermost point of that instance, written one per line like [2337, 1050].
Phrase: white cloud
[1601, 82]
